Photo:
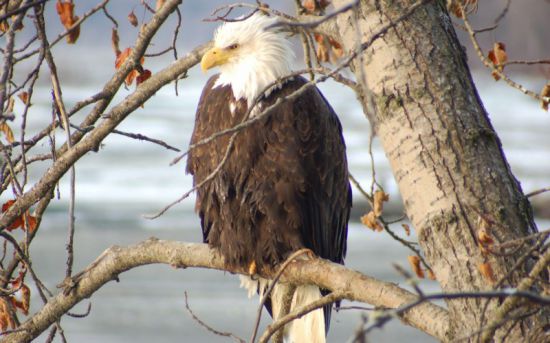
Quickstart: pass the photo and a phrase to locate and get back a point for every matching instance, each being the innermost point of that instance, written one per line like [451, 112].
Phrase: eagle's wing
[213, 115]
[306, 159]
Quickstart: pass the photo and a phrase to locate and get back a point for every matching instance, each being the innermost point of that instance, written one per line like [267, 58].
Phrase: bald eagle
[284, 186]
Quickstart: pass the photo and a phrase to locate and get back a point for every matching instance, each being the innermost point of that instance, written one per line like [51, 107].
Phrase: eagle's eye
[233, 46]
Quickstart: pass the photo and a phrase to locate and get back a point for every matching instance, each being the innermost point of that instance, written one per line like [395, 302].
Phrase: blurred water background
[127, 179]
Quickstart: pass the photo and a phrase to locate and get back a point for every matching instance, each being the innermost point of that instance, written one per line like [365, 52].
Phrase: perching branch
[427, 317]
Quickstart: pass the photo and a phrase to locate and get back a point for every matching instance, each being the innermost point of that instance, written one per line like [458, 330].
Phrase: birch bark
[445, 155]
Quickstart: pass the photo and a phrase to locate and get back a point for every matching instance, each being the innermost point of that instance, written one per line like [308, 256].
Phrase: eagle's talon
[310, 254]
[252, 269]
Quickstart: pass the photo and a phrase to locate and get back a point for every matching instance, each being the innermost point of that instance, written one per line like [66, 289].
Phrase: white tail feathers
[307, 329]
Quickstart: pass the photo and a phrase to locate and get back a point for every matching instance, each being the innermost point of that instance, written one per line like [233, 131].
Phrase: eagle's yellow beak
[214, 57]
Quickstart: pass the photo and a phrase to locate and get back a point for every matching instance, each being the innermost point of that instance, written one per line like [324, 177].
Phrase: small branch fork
[472, 33]
[208, 327]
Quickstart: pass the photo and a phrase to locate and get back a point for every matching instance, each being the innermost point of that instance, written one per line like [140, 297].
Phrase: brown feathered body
[285, 183]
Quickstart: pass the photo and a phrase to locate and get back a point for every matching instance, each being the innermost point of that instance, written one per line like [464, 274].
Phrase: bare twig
[81, 315]
[527, 62]
[207, 179]
[299, 312]
[537, 192]
[141, 137]
[491, 66]
[21, 9]
[8, 55]
[83, 18]
[174, 48]
[109, 16]
[229, 8]
[314, 23]
[208, 327]
[385, 224]
[265, 296]
[58, 98]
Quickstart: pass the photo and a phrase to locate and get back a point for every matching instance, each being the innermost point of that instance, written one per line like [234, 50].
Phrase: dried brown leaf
[4, 26]
[336, 49]
[312, 6]
[6, 130]
[545, 93]
[65, 10]
[485, 250]
[143, 76]
[309, 5]
[322, 49]
[115, 41]
[24, 96]
[74, 34]
[133, 19]
[318, 37]
[23, 221]
[19, 26]
[414, 261]
[6, 320]
[121, 57]
[498, 57]
[487, 272]
[379, 198]
[455, 9]
[484, 231]
[370, 220]
[11, 104]
[407, 229]
[484, 237]
[25, 299]
[30, 223]
[131, 77]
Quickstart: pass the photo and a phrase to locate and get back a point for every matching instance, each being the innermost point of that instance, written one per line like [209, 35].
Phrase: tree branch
[427, 317]
[116, 115]
[511, 302]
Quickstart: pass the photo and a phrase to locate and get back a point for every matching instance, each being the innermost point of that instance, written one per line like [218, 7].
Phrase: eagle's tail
[308, 328]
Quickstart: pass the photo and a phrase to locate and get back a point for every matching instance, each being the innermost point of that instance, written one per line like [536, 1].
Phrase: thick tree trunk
[445, 155]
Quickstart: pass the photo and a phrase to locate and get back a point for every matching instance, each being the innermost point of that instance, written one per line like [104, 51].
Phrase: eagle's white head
[250, 54]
